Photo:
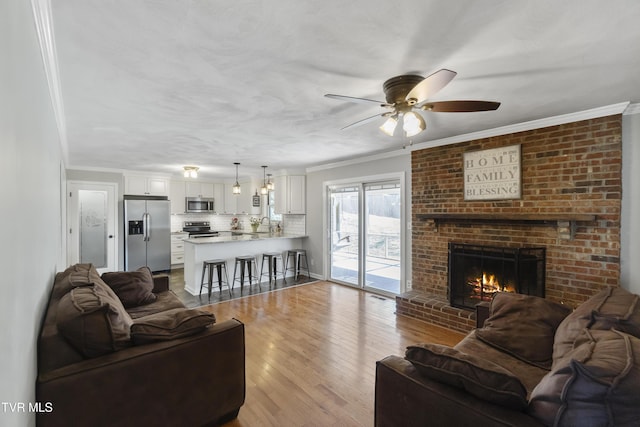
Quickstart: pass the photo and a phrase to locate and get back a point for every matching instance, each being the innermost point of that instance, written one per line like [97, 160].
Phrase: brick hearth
[569, 169]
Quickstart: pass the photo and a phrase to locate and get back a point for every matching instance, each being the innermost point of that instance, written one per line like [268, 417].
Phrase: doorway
[365, 239]
[91, 224]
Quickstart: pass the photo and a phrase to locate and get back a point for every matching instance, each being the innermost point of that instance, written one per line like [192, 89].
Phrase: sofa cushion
[74, 276]
[610, 308]
[134, 288]
[597, 381]
[523, 326]
[478, 376]
[93, 319]
[171, 324]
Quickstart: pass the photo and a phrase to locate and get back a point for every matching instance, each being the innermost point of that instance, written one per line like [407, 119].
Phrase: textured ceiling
[155, 85]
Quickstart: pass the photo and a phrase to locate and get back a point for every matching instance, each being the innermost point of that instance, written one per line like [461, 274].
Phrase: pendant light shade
[236, 187]
[264, 189]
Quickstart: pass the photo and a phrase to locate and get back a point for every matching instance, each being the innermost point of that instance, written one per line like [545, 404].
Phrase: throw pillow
[170, 324]
[595, 381]
[610, 308]
[134, 288]
[93, 320]
[480, 377]
[523, 326]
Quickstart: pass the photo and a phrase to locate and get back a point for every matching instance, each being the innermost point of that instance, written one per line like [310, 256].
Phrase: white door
[91, 224]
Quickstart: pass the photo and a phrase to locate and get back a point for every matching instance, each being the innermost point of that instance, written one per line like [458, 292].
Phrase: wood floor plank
[311, 352]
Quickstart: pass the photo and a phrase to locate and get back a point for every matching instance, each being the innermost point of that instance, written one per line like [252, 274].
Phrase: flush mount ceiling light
[191, 171]
[264, 189]
[236, 187]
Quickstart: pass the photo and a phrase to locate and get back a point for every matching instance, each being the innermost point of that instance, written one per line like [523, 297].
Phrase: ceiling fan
[408, 95]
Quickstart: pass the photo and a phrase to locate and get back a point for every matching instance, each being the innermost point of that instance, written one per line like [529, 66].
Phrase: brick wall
[570, 168]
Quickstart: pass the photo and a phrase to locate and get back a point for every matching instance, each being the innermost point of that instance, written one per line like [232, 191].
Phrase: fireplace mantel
[566, 223]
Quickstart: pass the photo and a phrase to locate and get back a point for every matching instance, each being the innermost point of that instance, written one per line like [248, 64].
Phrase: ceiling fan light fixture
[389, 126]
[413, 124]
[190, 171]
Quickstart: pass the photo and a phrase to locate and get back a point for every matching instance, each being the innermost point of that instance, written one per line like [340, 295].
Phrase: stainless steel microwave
[198, 205]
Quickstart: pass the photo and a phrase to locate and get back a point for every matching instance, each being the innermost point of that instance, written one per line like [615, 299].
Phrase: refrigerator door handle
[148, 222]
[145, 226]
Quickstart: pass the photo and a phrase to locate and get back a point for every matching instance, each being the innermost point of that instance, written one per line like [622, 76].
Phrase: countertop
[247, 237]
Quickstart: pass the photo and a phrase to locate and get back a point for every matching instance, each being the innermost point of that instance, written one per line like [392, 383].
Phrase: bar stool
[248, 261]
[272, 259]
[217, 264]
[297, 255]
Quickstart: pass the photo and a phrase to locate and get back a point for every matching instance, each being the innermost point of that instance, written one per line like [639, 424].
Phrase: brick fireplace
[570, 205]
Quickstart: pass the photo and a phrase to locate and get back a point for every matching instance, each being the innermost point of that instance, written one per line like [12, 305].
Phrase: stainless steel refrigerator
[147, 230]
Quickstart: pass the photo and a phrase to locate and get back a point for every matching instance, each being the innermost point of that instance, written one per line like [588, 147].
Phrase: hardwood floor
[311, 352]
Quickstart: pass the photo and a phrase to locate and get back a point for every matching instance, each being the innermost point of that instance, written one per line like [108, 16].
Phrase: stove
[198, 229]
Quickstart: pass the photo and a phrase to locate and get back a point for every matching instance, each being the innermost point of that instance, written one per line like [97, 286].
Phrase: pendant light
[236, 187]
[264, 189]
[270, 184]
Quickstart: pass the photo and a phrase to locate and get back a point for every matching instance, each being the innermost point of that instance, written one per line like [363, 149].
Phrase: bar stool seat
[249, 263]
[217, 264]
[272, 263]
[298, 255]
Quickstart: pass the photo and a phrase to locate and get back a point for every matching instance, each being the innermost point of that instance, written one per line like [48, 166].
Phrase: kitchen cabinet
[218, 198]
[243, 202]
[177, 194]
[290, 194]
[141, 185]
[199, 189]
[177, 248]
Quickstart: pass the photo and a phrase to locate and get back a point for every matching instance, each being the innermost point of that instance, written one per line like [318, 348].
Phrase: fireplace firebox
[477, 272]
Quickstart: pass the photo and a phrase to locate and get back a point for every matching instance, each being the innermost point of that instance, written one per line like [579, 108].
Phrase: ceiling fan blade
[460, 106]
[431, 85]
[357, 100]
[364, 121]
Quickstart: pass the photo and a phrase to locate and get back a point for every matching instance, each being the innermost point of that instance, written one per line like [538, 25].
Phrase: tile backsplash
[294, 224]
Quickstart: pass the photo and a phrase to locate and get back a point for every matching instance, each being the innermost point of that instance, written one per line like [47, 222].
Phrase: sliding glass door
[345, 232]
[382, 236]
[365, 235]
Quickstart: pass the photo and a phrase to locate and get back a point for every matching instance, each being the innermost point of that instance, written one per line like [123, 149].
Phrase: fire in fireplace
[477, 272]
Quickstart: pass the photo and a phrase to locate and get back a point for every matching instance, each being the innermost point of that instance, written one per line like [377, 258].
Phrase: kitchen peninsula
[227, 247]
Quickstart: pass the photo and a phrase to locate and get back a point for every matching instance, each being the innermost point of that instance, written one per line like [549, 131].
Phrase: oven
[198, 229]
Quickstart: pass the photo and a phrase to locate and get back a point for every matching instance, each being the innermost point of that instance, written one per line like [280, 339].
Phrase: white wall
[398, 162]
[630, 224]
[31, 173]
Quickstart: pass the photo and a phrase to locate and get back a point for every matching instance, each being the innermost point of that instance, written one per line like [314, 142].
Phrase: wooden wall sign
[493, 174]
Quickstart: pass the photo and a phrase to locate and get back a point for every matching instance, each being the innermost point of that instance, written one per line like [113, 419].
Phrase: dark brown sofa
[182, 369]
[532, 364]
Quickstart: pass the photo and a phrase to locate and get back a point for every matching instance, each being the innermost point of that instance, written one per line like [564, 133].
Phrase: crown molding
[358, 160]
[632, 109]
[43, 20]
[608, 110]
[593, 113]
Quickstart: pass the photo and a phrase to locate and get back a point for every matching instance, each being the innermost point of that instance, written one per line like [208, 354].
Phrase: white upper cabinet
[141, 185]
[199, 189]
[177, 196]
[290, 194]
